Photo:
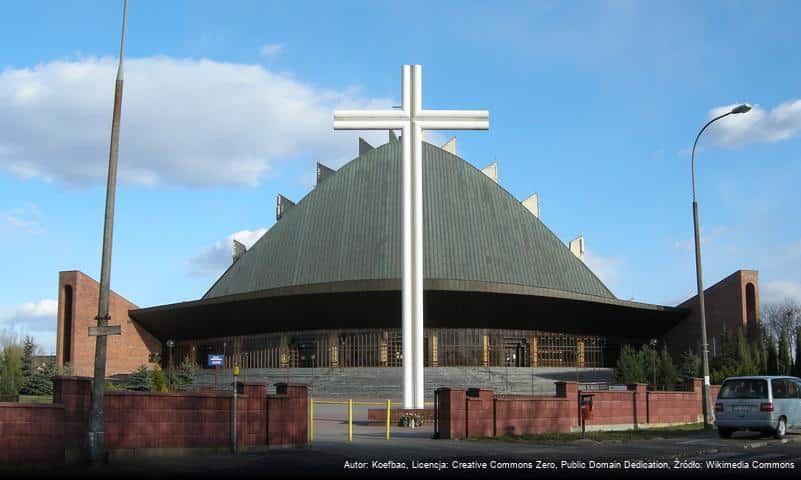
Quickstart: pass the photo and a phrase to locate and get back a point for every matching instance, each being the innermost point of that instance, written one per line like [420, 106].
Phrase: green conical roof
[349, 228]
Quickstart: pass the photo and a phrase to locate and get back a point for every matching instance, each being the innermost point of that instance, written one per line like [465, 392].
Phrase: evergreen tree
[745, 364]
[666, 372]
[785, 363]
[27, 357]
[40, 382]
[185, 376]
[759, 356]
[773, 358]
[158, 380]
[690, 365]
[630, 366]
[797, 363]
[140, 380]
[11, 371]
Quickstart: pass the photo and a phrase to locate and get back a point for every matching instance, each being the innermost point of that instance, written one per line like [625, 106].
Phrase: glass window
[744, 388]
[781, 389]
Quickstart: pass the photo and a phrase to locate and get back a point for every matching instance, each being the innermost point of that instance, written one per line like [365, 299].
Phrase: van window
[744, 388]
[784, 389]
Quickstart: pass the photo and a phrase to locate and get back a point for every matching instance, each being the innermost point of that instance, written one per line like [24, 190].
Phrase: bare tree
[782, 318]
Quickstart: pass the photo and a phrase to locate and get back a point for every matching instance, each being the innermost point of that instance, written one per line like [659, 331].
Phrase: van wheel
[725, 432]
[781, 428]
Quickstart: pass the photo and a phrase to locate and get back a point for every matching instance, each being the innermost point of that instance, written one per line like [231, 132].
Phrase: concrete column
[432, 349]
[485, 349]
[383, 347]
[333, 349]
[534, 351]
[283, 355]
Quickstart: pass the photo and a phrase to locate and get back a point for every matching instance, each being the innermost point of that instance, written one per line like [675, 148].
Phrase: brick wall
[126, 352]
[726, 303]
[481, 413]
[31, 433]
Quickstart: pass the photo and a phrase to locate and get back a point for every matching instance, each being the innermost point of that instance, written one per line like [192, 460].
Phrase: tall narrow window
[66, 337]
[750, 309]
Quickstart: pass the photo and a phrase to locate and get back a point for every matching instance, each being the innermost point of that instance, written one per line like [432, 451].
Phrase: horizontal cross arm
[370, 119]
[453, 124]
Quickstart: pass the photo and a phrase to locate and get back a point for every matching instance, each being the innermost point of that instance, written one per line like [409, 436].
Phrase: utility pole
[103, 329]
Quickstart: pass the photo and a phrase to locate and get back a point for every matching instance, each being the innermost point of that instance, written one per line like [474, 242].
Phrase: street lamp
[699, 280]
[170, 345]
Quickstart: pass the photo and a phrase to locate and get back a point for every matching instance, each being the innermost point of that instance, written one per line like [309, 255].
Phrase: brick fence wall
[31, 433]
[481, 413]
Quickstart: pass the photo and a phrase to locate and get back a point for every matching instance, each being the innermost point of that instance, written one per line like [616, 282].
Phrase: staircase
[385, 382]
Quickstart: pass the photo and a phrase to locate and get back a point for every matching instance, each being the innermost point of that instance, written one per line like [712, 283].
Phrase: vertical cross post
[412, 120]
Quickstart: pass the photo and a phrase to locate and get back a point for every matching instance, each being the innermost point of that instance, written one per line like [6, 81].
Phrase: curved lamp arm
[692, 160]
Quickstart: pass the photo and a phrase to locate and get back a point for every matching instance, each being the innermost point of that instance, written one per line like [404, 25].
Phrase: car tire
[725, 432]
[781, 428]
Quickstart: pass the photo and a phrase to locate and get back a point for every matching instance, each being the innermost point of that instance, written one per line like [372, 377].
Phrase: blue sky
[593, 105]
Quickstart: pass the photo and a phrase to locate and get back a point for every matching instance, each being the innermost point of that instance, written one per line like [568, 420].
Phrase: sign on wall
[215, 360]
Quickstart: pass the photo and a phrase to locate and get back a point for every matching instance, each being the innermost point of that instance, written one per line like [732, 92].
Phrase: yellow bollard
[350, 420]
[388, 413]
[311, 420]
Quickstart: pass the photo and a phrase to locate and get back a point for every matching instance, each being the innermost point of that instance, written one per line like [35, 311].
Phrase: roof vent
[577, 247]
[323, 172]
[450, 146]
[491, 171]
[364, 147]
[237, 250]
[282, 205]
[532, 204]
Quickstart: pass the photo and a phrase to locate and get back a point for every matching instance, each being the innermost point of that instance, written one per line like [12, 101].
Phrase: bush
[630, 366]
[184, 377]
[40, 382]
[11, 371]
[158, 380]
[140, 380]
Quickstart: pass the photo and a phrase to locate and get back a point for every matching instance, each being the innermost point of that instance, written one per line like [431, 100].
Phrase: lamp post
[170, 345]
[707, 401]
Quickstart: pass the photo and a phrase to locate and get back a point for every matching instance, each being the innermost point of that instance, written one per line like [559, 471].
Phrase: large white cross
[411, 119]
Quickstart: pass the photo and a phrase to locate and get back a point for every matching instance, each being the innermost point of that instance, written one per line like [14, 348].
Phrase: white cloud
[272, 49]
[37, 319]
[608, 269]
[184, 121]
[779, 290]
[758, 125]
[213, 260]
[713, 234]
[25, 218]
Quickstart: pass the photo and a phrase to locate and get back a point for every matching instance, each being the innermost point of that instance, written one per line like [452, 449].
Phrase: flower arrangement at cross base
[411, 420]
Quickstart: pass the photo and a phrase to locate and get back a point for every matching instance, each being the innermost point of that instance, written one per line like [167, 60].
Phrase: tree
[784, 316]
[797, 363]
[27, 357]
[11, 370]
[184, 379]
[690, 365]
[773, 357]
[159, 380]
[667, 374]
[140, 380]
[784, 361]
[630, 366]
[41, 380]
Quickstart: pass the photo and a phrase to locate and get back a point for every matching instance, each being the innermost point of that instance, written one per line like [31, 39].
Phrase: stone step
[385, 382]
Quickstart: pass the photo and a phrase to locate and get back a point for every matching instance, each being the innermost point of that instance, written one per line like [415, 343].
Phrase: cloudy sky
[593, 105]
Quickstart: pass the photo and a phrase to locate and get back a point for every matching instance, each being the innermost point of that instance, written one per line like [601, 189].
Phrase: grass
[622, 435]
[35, 399]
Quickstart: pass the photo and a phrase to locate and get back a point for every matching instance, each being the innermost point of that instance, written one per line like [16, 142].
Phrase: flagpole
[96, 416]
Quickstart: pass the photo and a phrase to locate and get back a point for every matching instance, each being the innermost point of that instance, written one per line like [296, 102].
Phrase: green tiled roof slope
[349, 228]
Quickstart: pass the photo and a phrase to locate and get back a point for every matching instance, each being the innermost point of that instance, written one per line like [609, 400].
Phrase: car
[769, 404]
